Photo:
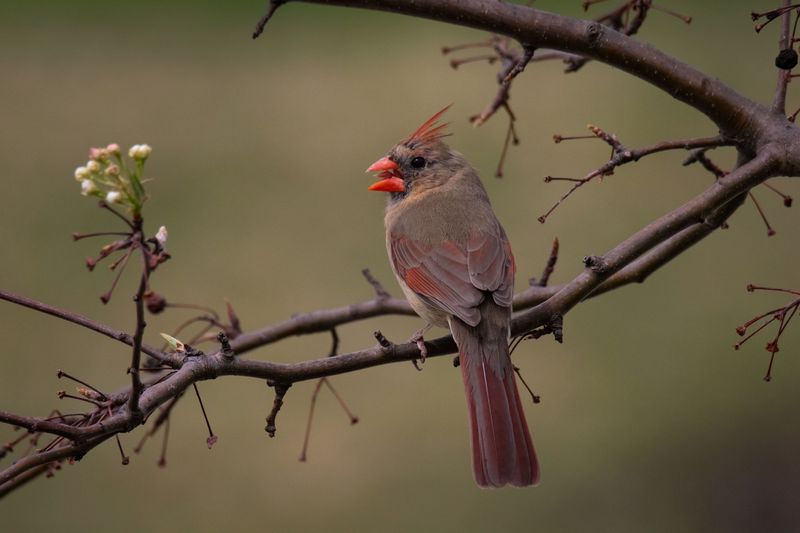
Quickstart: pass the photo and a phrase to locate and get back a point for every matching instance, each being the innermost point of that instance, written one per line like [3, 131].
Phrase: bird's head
[420, 161]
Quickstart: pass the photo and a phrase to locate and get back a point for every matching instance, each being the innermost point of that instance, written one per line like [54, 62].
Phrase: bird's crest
[430, 130]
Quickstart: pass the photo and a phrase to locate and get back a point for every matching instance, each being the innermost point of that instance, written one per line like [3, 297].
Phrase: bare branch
[319, 321]
[621, 155]
[767, 146]
[541, 29]
[88, 323]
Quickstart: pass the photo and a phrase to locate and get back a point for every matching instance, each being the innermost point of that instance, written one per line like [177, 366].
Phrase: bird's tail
[502, 449]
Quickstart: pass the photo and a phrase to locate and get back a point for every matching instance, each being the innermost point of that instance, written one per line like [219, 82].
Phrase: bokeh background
[649, 420]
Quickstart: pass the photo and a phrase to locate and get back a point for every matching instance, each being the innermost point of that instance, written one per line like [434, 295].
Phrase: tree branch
[698, 209]
[732, 112]
[88, 323]
[768, 145]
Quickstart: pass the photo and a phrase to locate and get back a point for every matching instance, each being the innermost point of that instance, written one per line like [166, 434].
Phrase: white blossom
[113, 197]
[93, 166]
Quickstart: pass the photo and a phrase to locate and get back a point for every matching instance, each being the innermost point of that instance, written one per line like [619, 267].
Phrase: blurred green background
[649, 420]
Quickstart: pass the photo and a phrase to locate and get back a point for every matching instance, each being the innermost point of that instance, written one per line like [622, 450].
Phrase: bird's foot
[419, 340]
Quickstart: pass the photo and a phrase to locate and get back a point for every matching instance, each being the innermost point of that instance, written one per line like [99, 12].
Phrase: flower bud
[93, 166]
[113, 197]
[140, 152]
[88, 187]
[162, 235]
[81, 173]
[113, 148]
[98, 154]
[112, 170]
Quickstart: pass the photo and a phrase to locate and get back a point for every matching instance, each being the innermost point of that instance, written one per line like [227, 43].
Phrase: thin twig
[85, 322]
[273, 6]
[784, 76]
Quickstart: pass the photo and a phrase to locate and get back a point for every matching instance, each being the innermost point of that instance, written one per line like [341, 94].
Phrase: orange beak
[390, 181]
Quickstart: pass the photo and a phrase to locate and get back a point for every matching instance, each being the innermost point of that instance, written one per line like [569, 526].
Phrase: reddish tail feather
[502, 449]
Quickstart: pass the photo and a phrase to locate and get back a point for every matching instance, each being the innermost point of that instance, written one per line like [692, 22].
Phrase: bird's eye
[418, 162]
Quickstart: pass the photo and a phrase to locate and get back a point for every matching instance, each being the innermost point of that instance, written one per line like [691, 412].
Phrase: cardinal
[454, 263]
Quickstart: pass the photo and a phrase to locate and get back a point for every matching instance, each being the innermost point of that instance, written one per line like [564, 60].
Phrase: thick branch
[698, 209]
[647, 249]
[769, 139]
[732, 112]
[319, 321]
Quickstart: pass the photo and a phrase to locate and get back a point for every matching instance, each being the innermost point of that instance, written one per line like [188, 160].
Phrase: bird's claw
[419, 340]
[423, 351]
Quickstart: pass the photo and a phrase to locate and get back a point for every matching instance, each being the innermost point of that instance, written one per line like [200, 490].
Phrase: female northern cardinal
[454, 263]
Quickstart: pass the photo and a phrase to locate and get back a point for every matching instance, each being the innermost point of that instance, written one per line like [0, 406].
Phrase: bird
[453, 261]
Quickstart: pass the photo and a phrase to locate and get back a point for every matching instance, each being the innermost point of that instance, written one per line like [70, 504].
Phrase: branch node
[519, 66]
[227, 351]
[596, 263]
[594, 31]
[385, 343]
[557, 325]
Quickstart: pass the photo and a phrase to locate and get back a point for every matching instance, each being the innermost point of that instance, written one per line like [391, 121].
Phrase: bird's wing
[454, 277]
